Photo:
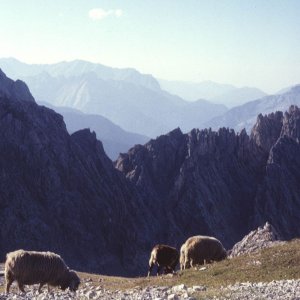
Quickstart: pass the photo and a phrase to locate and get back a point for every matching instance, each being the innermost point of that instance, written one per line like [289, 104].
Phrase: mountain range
[244, 116]
[60, 192]
[126, 97]
[218, 93]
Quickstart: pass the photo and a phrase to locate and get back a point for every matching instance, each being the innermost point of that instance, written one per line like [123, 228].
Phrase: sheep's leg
[49, 288]
[21, 287]
[158, 270]
[40, 287]
[8, 284]
[9, 278]
[185, 264]
[150, 269]
[191, 263]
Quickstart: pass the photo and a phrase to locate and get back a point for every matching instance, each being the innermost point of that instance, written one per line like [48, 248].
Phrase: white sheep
[200, 250]
[32, 267]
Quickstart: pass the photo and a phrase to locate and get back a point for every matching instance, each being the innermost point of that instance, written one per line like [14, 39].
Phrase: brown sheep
[200, 250]
[163, 256]
[32, 267]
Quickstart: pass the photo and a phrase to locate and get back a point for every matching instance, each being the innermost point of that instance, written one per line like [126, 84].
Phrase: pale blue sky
[242, 42]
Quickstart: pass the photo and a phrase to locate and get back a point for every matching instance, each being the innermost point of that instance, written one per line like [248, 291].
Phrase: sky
[240, 42]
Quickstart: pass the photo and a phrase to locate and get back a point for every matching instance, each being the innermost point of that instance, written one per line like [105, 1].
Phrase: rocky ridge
[222, 183]
[16, 90]
[262, 237]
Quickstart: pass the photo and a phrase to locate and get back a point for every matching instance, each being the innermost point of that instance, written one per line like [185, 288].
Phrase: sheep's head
[72, 282]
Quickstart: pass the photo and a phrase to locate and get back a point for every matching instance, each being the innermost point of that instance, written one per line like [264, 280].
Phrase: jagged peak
[291, 123]
[86, 136]
[175, 132]
[15, 90]
[267, 130]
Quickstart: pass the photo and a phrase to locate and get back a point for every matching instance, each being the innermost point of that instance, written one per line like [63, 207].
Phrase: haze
[245, 43]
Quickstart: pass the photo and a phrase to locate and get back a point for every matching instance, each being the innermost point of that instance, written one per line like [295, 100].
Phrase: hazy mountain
[238, 96]
[193, 91]
[60, 192]
[244, 116]
[286, 89]
[16, 69]
[133, 105]
[115, 140]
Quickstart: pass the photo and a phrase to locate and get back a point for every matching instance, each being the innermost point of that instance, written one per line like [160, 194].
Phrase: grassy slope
[275, 263]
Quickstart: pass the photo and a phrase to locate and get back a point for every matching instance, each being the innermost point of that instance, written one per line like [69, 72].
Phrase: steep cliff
[278, 199]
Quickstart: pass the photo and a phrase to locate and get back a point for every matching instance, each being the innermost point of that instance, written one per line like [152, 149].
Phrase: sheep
[200, 250]
[163, 256]
[32, 267]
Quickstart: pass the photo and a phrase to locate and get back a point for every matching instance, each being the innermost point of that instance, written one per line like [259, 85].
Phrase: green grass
[275, 263]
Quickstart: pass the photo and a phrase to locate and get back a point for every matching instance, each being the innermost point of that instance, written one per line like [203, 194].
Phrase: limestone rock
[260, 238]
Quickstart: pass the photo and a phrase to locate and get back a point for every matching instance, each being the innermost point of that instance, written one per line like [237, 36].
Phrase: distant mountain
[115, 140]
[134, 102]
[193, 91]
[244, 116]
[16, 69]
[285, 90]
[238, 96]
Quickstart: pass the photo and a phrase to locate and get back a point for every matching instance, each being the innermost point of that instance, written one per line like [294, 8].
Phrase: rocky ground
[284, 289]
[263, 237]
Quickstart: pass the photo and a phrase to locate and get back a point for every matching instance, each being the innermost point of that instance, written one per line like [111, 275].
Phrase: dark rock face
[222, 183]
[267, 129]
[203, 182]
[279, 196]
[62, 193]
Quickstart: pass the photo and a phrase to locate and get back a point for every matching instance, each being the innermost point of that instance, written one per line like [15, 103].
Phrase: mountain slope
[60, 192]
[238, 96]
[244, 116]
[193, 91]
[115, 140]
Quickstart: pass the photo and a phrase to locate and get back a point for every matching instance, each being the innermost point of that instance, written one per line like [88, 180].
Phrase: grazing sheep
[199, 250]
[163, 256]
[31, 267]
